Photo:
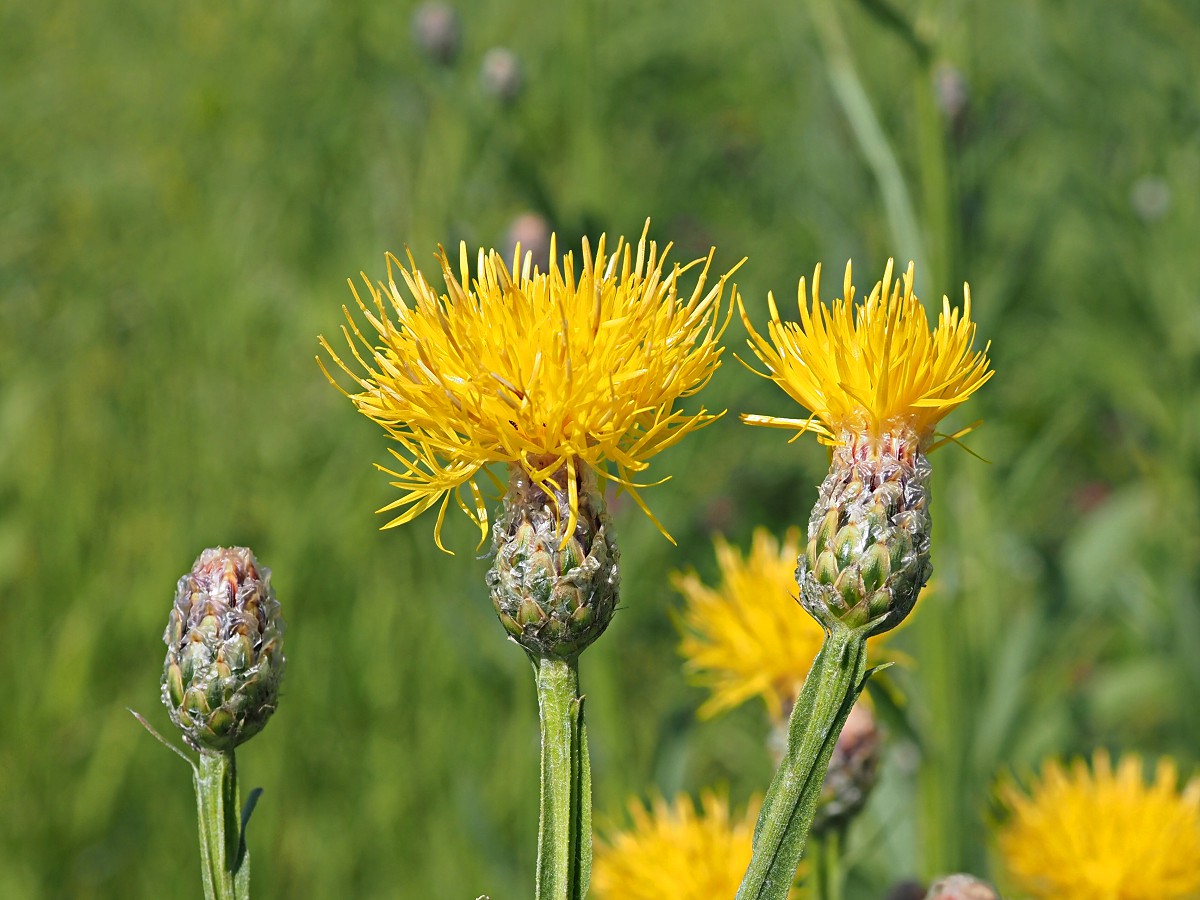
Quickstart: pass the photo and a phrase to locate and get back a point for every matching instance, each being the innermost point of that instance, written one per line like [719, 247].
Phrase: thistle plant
[1103, 832]
[220, 685]
[875, 381]
[571, 380]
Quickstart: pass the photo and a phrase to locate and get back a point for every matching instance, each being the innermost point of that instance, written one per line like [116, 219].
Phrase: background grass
[184, 188]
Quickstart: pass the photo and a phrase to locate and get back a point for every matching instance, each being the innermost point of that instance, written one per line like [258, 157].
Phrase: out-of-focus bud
[553, 598]
[1150, 198]
[224, 655]
[951, 92]
[908, 889]
[961, 887]
[531, 232]
[851, 773]
[501, 75]
[436, 31]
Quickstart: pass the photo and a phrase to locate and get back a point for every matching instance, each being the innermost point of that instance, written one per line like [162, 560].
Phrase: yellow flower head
[748, 637]
[674, 850]
[871, 368]
[548, 371]
[1104, 835]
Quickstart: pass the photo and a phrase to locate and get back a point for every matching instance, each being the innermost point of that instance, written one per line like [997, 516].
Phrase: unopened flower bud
[909, 889]
[531, 233]
[951, 91]
[554, 597]
[436, 31]
[868, 537]
[224, 656]
[1150, 198]
[500, 74]
[961, 887]
[851, 773]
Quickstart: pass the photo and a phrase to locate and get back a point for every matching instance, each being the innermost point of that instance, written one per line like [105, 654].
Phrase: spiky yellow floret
[548, 371]
[674, 850]
[873, 367]
[1104, 834]
[748, 636]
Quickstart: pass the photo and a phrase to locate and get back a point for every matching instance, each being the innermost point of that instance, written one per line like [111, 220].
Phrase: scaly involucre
[543, 370]
[1104, 834]
[874, 367]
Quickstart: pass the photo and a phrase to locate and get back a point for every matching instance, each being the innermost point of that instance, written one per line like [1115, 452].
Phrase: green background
[184, 188]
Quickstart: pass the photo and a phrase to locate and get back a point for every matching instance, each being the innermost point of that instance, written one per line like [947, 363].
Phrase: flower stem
[565, 827]
[224, 861]
[827, 874]
[873, 142]
[834, 683]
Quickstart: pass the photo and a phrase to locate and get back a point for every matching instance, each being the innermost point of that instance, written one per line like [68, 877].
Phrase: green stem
[834, 683]
[868, 132]
[224, 863]
[936, 183]
[827, 876]
[565, 827]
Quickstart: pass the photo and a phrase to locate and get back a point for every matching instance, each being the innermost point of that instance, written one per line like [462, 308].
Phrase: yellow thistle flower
[547, 371]
[874, 367]
[748, 637]
[1104, 834]
[674, 850]
[876, 381]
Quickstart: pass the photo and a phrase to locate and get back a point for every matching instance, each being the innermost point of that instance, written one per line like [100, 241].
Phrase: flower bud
[1150, 198]
[436, 31]
[951, 92]
[868, 537]
[909, 889]
[531, 232]
[500, 74]
[554, 597]
[961, 887]
[224, 657]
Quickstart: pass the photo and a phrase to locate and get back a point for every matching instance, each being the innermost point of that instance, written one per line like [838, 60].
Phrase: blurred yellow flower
[1104, 835]
[872, 367]
[748, 637]
[547, 371]
[674, 850]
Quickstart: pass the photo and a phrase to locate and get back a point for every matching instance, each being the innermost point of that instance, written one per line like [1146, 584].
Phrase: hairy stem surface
[565, 827]
[833, 684]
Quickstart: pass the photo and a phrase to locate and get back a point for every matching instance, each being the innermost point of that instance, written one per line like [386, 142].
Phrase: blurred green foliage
[183, 189]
